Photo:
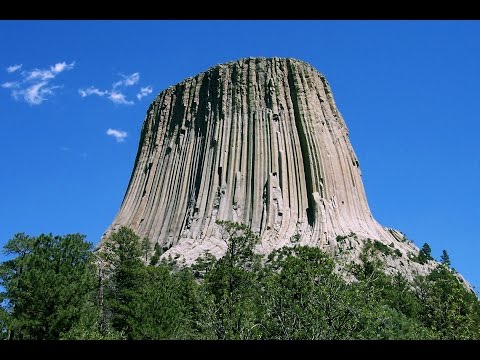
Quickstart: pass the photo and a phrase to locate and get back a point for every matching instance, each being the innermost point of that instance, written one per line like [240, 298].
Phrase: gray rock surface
[258, 141]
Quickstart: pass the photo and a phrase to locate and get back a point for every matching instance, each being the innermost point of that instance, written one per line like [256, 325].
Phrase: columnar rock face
[258, 141]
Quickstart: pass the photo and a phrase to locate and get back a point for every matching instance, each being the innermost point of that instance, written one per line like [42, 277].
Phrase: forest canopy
[57, 287]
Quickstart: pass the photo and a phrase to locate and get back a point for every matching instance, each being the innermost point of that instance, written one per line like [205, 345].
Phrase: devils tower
[258, 141]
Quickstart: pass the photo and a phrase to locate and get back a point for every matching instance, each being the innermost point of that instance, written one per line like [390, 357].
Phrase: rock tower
[258, 141]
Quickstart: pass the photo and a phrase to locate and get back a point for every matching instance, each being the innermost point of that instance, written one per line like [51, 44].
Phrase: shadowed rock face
[258, 141]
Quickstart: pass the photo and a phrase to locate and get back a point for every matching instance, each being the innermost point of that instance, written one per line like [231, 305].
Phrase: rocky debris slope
[258, 141]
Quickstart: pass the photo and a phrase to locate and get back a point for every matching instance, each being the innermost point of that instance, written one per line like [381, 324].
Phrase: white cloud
[119, 98]
[117, 93]
[132, 79]
[38, 74]
[34, 86]
[14, 68]
[45, 74]
[35, 94]
[115, 96]
[119, 135]
[128, 80]
[91, 91]
[144, 91]
[10, 84]
[59, 67]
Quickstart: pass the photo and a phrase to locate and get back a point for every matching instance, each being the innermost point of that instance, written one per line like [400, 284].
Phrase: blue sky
[73, 96]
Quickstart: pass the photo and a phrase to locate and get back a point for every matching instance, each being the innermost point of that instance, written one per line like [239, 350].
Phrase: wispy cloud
[14, 68]
[115, 96]
[35, 86]
[38, 74]
[128, 80]
[46, 74]
[35, 94]
[116, 93]
[144, 91]
[119, 98]
[10, 84]
[91, 91]
[119, 135]
[59, 67]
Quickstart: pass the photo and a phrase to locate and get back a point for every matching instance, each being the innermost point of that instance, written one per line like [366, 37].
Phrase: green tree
[89, 326]
[383, 306]
[448, 308]
[198, 311]
[302, 297]
[124, 281]
[50, 292]
[231, 282]
[445, 259]
[3, 322]
[425, 254]
[156, 255]
[146, 249]
[203, 265]
[46, 284]
[157, 310]
[400, 295]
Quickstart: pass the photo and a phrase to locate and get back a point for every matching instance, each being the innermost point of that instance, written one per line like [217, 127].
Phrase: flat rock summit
[258, 141]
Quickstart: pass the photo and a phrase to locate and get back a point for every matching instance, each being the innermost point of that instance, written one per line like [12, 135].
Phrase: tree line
[57, 287]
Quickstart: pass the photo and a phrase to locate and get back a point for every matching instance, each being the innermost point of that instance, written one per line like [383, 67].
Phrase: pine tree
[302, 297]
[448, 307]
[146, 248]
[46, 284]
[156, 255]
[445, 259]
[157, 310]
[425, 254]
[123, 253]
[231, 282]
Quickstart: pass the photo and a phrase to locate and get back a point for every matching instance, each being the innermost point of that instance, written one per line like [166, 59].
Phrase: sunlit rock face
[258, 141]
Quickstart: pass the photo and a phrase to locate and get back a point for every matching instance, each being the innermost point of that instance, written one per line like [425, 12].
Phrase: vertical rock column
[258, 141]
